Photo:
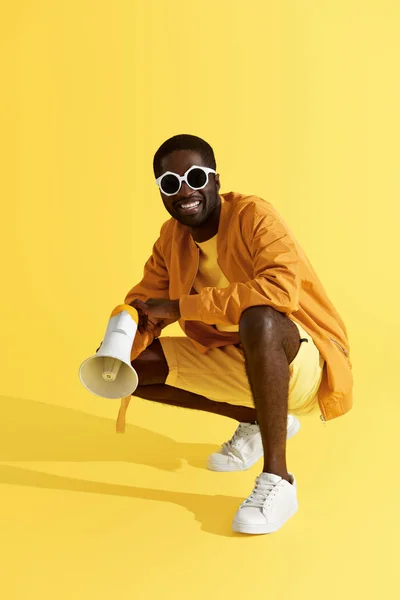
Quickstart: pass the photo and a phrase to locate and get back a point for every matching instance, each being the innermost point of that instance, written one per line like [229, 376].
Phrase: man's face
[179, 162]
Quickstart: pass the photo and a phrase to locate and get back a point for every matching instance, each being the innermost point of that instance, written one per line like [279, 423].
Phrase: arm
[276, 280]
[154, 284]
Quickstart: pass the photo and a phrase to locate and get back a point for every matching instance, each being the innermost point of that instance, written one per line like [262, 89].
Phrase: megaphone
[109, 373]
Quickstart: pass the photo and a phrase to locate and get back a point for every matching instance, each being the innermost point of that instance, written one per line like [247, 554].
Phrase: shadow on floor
[35, 431]
[214, 513]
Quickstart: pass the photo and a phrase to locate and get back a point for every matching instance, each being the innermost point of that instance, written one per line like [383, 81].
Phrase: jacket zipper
[340, 346]
[346, 354]
[198, 263]
[222, 270]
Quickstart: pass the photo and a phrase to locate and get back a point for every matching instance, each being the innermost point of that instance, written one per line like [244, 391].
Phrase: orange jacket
[259, 255]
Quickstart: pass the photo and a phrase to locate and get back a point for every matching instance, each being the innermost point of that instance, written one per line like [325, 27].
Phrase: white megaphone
[109, 372]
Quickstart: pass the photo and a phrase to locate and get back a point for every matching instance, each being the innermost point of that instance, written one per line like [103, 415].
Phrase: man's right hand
[143, 324]
[143, 317]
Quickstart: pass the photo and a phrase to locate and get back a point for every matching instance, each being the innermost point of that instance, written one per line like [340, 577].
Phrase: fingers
[139, 305]
[143, 322]
[157, 330]
[142, 310]
[142, 325]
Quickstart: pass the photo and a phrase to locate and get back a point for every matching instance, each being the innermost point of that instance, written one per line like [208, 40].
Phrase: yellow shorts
[220, 374]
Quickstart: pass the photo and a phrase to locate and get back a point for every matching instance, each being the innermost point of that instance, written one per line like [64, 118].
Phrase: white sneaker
[245, 447]
[272, 502]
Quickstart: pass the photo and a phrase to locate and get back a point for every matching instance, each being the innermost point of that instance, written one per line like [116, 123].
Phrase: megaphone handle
[122, 413]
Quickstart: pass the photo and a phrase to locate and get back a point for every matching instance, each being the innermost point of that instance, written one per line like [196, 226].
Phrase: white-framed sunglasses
[196, 178]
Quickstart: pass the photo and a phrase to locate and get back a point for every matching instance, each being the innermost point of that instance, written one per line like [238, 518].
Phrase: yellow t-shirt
[210, 275]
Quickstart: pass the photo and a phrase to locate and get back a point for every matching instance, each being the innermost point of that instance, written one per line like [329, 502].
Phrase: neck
[209, 228]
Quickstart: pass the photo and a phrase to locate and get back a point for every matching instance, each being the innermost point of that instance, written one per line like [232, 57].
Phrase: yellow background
[300, 101]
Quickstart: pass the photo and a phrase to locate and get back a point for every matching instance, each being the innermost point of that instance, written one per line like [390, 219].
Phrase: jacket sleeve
[154, 284]
[275, 282]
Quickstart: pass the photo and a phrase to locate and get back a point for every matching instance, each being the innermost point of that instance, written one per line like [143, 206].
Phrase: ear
[217, 181]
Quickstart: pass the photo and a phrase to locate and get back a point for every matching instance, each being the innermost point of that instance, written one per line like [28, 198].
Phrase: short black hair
[184, 141]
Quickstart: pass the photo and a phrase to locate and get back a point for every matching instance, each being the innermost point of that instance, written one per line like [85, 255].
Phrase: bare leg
[173, 396]
[270, 342]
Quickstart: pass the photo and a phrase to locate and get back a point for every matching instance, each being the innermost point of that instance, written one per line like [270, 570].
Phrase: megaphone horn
[109, 373]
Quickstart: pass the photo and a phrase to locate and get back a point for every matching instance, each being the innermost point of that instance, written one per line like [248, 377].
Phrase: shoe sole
[292, 430]
[260, 529]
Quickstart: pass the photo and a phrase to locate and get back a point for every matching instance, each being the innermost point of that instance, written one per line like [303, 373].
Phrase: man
[262, 338]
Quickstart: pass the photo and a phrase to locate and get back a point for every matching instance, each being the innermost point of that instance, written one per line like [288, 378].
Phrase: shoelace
[243, 430]
[262, 491]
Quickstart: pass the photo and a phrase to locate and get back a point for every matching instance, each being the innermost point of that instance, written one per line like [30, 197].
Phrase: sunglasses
[195, 177]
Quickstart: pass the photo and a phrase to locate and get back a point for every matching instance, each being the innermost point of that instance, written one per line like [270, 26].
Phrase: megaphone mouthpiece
[111, 367]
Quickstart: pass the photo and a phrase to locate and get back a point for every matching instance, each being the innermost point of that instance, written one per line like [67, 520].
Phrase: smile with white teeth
[190, 204]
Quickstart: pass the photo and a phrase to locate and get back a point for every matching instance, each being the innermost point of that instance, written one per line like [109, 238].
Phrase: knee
[258, 321]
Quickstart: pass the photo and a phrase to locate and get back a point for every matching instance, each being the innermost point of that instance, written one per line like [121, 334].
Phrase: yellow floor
[300, 102]
[87, 513]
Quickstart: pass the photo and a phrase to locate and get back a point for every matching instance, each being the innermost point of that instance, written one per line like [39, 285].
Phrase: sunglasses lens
[170, 184]
[197, 178]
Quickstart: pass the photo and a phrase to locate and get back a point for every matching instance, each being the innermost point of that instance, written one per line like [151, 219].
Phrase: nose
[184, 193]
[185, 190]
